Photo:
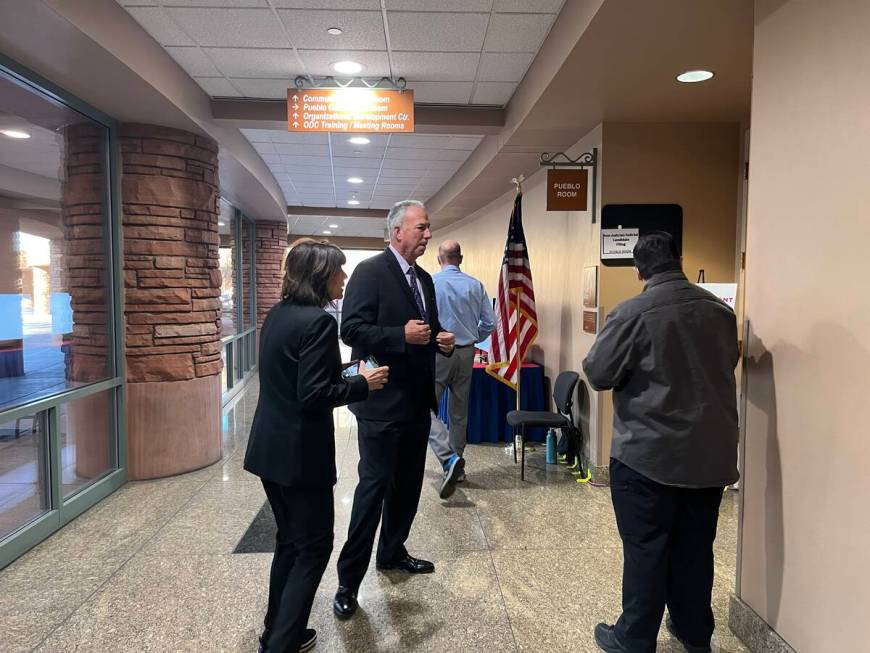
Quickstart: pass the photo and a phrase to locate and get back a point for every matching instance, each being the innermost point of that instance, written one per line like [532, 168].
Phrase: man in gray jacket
[669, 356]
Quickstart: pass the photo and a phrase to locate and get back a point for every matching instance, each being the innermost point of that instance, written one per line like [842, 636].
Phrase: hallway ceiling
[313, 169]
[449, 51]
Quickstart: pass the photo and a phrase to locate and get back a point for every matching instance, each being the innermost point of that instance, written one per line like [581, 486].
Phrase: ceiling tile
[426, 154]
[275, 136]
[447, 32]
[528, 6]
[405, 164]
[441, 93]
[271, 159]
[251, 28]
[319, 62]
[497, 93]
[217, 87]
[307, 169]
[420, 140]
[329, 4]
[517, 32]
[194, 62]
[251, 62]
[160, 26]
[223, 4]
[262, 88]
[301, 160]
[362, 30]
[440, 5]
[356, 162]
[464, 142]
[436, 66]
[302, 149]
[394, 173]
[349, 150]
[503, 67]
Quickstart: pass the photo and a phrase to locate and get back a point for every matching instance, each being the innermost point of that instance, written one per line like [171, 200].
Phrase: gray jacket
[669, 355]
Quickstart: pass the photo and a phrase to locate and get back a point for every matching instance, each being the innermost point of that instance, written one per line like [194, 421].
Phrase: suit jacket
[292, 440]
[377, 304]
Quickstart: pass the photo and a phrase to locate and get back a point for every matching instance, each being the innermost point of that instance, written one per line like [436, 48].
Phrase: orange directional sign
[350, 110]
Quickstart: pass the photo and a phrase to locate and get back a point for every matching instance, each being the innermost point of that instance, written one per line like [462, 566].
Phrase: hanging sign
[567, 189]
[350, 110]
[618, 243]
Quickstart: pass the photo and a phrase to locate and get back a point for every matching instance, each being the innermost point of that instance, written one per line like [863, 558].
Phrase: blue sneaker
[452, 471]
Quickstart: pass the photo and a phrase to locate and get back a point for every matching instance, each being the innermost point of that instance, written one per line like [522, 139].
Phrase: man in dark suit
[390, 311]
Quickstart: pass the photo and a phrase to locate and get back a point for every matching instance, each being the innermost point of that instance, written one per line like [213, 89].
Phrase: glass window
[247, 261]
[55, 304]
[227, 253]
[23, 473]
[86, 440]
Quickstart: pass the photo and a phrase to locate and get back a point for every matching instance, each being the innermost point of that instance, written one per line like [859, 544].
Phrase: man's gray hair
[397, 213]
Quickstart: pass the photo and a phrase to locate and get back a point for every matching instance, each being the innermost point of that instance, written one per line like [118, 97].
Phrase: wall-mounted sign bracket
[585, 160]
[304, 81]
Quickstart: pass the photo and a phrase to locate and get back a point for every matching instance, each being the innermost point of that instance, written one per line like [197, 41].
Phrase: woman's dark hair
[308, 268]
[656, 252]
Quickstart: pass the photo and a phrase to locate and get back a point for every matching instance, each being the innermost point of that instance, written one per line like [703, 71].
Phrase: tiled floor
[519, 566]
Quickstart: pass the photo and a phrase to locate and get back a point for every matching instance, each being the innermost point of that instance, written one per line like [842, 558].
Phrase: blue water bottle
[551, 447]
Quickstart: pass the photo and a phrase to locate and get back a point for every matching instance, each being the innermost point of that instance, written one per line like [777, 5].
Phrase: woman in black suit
[292, 440]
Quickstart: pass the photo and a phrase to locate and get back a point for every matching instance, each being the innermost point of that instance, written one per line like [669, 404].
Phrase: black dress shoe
[344, 604]
[309, 639]
[669, 624]
[409, 564]
[606, 640]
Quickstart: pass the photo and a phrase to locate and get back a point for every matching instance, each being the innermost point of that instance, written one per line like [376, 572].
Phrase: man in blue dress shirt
[465, 310]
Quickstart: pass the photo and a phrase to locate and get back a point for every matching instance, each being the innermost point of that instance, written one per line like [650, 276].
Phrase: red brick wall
[171, 265]
[271, 243]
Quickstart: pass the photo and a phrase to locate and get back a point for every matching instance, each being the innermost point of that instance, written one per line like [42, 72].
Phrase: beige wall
[560, 245]
[693, 165]
[806, 522]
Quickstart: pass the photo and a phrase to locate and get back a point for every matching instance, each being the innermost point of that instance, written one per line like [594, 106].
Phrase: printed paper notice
[618, 243]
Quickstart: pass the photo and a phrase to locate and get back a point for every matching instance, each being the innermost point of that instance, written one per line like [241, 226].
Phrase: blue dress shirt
[464, 308]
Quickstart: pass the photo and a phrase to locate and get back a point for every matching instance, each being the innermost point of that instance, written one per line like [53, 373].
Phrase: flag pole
[518, 182]
[518, 293]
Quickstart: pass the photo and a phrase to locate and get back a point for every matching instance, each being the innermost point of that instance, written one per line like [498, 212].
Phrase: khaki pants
[453, 373]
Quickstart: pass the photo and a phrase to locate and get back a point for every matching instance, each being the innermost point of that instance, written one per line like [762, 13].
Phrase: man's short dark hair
[656, 252]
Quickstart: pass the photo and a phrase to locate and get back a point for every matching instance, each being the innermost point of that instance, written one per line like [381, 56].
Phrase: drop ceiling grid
[314, 170]
[458, 51]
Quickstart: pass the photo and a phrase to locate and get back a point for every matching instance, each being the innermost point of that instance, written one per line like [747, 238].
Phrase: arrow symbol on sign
[295, 115]
[295, 124]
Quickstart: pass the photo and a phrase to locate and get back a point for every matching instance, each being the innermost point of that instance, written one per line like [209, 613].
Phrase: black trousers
[392, 457]
[302, 549]
[667, 538]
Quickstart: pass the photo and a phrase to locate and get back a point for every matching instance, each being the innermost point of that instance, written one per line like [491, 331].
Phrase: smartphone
[352, 370]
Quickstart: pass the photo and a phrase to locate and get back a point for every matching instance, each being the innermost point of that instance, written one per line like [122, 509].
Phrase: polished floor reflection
[519, 566]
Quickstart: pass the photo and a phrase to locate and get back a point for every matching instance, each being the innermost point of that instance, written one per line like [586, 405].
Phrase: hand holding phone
[375, 375]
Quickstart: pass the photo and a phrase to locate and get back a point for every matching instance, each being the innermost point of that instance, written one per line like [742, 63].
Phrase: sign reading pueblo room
[350, 110]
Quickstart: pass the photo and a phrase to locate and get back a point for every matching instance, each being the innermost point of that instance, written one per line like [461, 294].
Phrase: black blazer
[377, 305]
[292, 440]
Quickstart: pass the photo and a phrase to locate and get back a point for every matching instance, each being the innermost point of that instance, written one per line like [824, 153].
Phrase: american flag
[516, 274]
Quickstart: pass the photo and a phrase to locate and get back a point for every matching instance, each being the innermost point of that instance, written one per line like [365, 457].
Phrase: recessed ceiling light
[692, 76]
[353, 202]
[327, 232]
[359, 140]
[14, 133]
[354, 180]
[333, 226]
[347, 67]
[222, 224]
[335, 31]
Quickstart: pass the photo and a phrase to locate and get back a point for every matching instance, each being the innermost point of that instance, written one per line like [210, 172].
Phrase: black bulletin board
[645, 218]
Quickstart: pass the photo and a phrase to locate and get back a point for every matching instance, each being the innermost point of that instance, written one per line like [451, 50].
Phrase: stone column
[172, 300]
[271, 241]
[82, 323]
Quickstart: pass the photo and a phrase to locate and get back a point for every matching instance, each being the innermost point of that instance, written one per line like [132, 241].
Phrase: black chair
[563, 397]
